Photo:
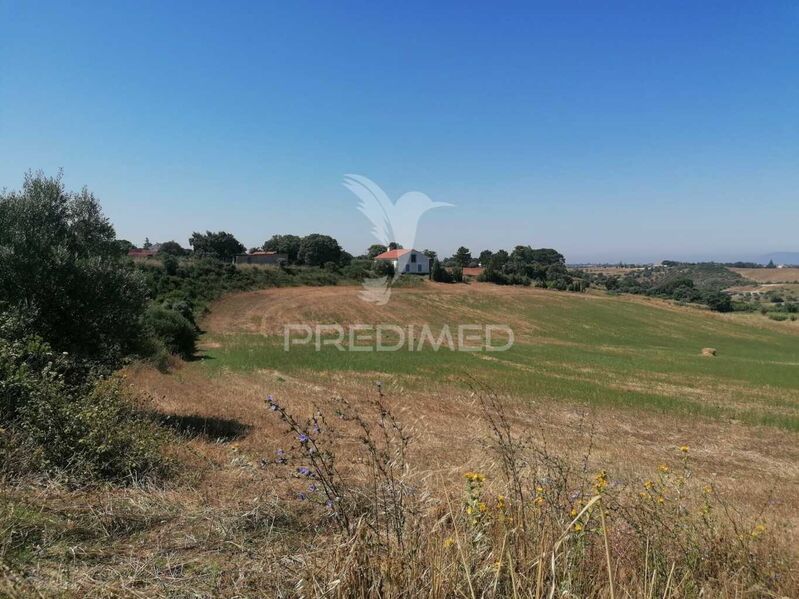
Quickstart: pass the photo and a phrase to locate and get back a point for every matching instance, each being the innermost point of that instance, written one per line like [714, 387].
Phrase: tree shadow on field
[208, 427]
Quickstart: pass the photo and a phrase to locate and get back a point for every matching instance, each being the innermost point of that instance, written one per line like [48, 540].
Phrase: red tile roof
[140, 253]
[391, 254]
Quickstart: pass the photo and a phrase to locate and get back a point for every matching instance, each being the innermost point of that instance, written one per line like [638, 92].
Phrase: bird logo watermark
[394, 224]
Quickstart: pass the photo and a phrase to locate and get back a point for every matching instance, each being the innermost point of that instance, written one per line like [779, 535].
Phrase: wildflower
[482, 506]
[316, 427]
[469, 510]
[684, 448]
[301, 496]
[661, 499]
[538, 501]
[312, 488]
[758, 530]
[304, 470]
[303, 438]
[448, 542]
[329, 504]
[649, 485]
[474, 477]
[578, 527]
[663, 468]
[500, 502]
[601, 481]
[707, 490]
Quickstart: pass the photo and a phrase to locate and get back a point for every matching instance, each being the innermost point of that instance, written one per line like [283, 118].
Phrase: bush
[778, 316]
[177, 333]
[84, 431]
[440, 274]
[719, 301]
[383, 268]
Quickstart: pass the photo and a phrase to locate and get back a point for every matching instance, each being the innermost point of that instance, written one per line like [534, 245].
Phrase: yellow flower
[601, 481]
[578, 527]
[449, 542]
[539, 501]
[684, 448]
[474, 477]
[482, 506]
[758, 530]
[649, 485]
[707, 490]
[663, 468]
[661, 499]
[470, 510]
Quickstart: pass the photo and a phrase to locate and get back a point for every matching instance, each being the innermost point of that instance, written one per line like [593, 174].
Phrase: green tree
[375, 250]
[60, 268]
[771, 264]
[485, 257]
[440, 274]
[220, 245]
[172, 248]
[462, 257]
[284, 244]
[316, 249]
[432, 254]
[718, 301]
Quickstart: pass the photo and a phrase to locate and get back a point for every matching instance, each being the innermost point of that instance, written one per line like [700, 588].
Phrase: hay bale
[708, 351]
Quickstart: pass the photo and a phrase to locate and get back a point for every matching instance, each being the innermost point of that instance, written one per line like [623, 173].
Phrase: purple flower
[316, 427]
[303, 438]
[329, 503]
[304, 471]
[312, 488]
[301, 496]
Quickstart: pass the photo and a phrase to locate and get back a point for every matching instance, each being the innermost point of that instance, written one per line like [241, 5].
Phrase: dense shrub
[173, 329]
[718, 301]
[60, 264]
[86, 431]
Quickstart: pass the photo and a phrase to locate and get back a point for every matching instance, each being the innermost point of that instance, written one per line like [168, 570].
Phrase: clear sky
[608, 130]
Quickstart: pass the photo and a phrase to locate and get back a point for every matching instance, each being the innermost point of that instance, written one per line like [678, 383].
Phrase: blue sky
[609, 130]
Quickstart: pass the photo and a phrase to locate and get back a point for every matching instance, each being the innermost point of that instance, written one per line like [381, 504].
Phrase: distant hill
[780, 258]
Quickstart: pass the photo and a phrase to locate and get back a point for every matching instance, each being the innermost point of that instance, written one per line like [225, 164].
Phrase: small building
[472, 272]
[142, 254]
[261, 258]
[407, 261]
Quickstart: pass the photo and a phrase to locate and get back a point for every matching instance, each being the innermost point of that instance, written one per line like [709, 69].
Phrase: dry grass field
[609, 384]
[769, 275]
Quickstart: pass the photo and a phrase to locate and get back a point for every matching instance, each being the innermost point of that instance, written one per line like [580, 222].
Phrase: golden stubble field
[758, 466]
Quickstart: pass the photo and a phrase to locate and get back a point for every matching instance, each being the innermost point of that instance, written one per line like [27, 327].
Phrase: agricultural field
[619, 382]
[616, 386]
[769, 275]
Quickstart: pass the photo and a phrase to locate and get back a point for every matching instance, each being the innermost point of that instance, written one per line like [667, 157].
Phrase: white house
[407, 261]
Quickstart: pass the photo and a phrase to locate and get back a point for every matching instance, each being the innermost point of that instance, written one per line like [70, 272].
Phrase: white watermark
[394, 224]
[392, 337]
